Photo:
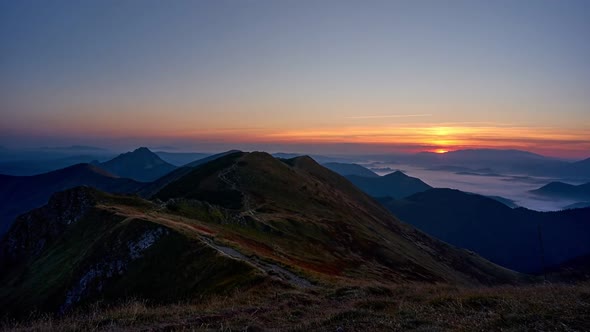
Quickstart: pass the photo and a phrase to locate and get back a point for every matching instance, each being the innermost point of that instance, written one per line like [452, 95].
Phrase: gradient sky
[343, 76]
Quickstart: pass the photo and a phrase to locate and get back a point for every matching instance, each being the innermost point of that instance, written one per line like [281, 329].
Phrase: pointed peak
[397, 174]
[142, 150]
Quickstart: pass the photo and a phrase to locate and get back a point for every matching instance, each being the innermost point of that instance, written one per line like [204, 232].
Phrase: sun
[441, 151]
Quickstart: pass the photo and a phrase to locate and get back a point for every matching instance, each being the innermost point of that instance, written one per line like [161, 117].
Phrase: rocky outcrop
[34, 230]
[93, 279]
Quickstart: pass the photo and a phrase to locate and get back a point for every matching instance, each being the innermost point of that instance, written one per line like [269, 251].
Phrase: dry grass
[409, 307]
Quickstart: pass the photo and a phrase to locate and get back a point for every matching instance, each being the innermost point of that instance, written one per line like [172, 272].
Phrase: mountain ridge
[395, 185]
[20, 194]
[506, 236]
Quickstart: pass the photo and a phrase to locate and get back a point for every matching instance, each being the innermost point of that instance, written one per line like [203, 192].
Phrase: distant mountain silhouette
[564, 191]
[141, 165]
[578, 205]
[19, 194]
[345, 169]
[181, 158]
[395, 185]
[509, 237]
[578, 169]
[496, 162]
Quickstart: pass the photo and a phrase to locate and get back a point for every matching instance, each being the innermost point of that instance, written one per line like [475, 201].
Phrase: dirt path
[264, 266]
[268, 268]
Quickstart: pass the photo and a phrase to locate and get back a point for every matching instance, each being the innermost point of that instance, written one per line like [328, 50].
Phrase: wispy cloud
[388, 116]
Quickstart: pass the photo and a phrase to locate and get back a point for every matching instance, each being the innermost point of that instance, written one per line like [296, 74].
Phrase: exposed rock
[94, 279]
[34, 230]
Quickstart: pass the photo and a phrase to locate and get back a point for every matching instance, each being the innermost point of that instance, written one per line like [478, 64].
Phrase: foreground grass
[402, 308]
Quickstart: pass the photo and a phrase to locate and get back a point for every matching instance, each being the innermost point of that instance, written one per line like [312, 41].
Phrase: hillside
[509, 237]
[140, 165]
[241, 219]
[20, 194]
[85, 245]
[300, 214]
[207, 159]
[150, 189]
[562, 190]
[345, 169]
[395, 185]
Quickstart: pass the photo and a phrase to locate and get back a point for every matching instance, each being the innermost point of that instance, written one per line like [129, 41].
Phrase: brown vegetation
[362, 308]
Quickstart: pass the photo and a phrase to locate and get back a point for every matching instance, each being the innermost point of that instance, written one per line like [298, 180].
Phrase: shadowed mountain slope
[209, 158]
[562, 190]
[395, 185]
[20, 194]
[509, 237]
[140, 164]
[85, 245]
[345, 169]
[181, 158]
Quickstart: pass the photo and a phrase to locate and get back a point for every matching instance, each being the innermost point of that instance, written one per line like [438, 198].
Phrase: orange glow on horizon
[411, 138]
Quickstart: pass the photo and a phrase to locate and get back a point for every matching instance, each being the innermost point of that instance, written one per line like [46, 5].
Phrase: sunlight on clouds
[444, 138]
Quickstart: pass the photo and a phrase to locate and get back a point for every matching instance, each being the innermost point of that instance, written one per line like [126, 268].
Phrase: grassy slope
[177, 266]
[304, 216]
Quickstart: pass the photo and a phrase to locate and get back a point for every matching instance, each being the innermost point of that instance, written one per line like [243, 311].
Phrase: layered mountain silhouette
[140, 164]
[520, 239]
[500, 161]
[395, 185]
[579, 168]
[20, 194]
[562, 190]
[240, 219]
[345, 169]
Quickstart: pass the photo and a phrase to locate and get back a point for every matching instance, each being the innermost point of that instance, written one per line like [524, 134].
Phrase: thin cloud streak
[388, 116]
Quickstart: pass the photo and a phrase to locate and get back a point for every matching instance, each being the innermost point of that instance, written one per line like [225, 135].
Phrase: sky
[324, 76]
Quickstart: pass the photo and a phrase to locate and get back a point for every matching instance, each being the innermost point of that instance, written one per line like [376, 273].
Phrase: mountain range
[496, 161]
[520, 239]
[236, 221]
[20, 194]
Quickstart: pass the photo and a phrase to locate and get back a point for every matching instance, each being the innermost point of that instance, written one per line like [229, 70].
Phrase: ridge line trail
[224, 176]
[264, 266]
